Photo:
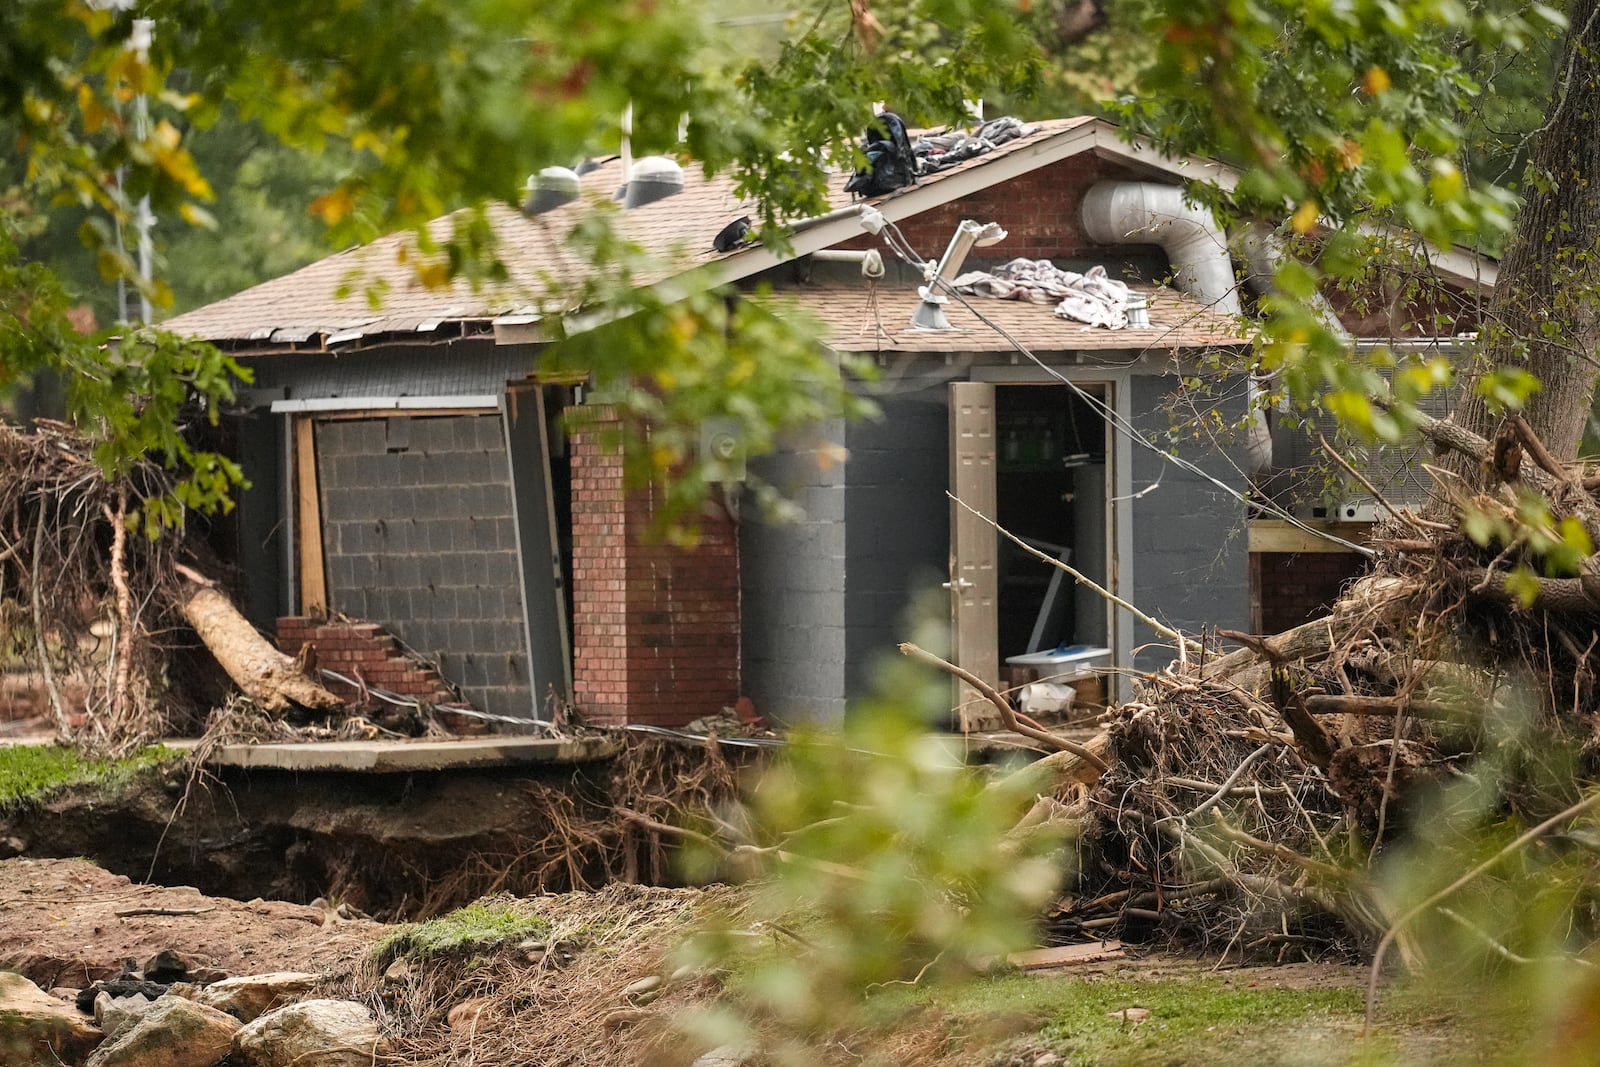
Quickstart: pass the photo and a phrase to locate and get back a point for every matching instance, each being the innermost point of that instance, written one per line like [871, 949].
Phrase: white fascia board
[1466, 269]
[386, 403]
[1139, 152]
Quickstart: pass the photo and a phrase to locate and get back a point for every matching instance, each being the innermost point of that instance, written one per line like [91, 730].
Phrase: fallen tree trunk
[268, 677]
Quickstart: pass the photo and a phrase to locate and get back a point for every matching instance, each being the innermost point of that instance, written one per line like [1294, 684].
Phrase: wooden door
[974, 584]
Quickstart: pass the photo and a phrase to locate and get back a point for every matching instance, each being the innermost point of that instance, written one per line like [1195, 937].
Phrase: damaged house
[410, 467]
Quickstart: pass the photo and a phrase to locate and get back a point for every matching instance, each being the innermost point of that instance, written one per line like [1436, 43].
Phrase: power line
[901, 247]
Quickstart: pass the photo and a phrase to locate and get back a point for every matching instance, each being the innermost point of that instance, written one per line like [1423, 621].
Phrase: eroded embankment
[392, 845]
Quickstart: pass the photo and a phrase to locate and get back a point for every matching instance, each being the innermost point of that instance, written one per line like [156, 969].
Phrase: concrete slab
[399, 757]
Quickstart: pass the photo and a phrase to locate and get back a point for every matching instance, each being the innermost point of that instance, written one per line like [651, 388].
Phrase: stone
[249, 997]
[115, 1014]
[172, 1032]
[36, 1028]
[644, 990]
[311, 1033]
[168, 966]
[397, 972]
[726, 1056]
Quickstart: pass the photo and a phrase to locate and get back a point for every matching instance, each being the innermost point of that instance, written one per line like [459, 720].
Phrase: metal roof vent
[654, 178]
[551, 188]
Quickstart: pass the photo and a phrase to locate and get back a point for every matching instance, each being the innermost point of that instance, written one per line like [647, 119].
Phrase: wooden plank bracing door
[974, 582]
[308, 513]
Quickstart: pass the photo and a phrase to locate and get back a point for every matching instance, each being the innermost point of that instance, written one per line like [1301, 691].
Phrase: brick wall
[656, 627]
[364, 651]
[419, 536]
[1039, 211]
[1296, 587]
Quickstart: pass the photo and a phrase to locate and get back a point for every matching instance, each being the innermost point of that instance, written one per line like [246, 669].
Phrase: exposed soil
[392, 845]
[59, 926]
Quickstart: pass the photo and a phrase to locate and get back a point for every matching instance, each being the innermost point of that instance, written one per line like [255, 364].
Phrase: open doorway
[1051, 490]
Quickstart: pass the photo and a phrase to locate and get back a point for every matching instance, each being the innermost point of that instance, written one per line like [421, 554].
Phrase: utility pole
[139, 41]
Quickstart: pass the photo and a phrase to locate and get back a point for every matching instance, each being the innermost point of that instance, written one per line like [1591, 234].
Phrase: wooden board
[308, 514]
[1066, 955]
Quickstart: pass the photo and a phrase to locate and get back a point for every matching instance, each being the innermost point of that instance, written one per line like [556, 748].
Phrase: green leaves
[667, 359]
[887, 859]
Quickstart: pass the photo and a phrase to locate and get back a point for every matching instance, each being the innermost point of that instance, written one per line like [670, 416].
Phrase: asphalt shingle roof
[863, 319]
[307, 303]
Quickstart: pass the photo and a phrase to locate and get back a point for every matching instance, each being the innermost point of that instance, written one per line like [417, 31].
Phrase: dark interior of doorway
[557, 398]
[1050, 480]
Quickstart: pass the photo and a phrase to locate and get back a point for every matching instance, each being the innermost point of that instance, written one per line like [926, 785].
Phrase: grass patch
[32, 773]
[482, 925]
[1191, 1020]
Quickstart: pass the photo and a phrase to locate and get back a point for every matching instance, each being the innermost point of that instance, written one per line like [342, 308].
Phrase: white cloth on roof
[1092, 297]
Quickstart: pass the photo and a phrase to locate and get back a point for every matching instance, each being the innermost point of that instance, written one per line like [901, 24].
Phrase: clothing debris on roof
[937, 151]
[1092, 297]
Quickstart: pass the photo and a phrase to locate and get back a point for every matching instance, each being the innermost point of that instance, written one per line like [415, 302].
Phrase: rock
[168, 966]
[726, 1056]
[115, 1014]
[644, 990]
[249, 997]
[312, 1033]
[66, 993]
[398, 971]
[172, 1032]
[119, 987]
[36, 1028]
[1048, 1059]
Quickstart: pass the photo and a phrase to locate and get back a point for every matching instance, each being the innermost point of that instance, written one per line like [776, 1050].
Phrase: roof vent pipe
[551, 188]
[1262, 251]
[1121, 213]
[1117, 213]
[654, 178]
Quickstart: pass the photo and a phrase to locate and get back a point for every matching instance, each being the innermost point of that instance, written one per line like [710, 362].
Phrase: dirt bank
[67, 922]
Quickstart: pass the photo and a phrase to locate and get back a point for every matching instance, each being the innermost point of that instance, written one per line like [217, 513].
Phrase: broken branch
[1007, 716]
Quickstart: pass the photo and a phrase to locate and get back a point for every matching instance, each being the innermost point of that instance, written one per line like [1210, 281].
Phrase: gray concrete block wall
[1191, 563]
[793, 586]
[421, 539]
[898, 523]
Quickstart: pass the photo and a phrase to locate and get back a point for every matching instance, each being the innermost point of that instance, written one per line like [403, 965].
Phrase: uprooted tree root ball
[101, 605]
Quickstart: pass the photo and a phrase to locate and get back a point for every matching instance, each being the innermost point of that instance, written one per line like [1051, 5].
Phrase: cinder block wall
[1191, 565]
[656, 627]
[897, 523]
[793, 576]
[419, 536]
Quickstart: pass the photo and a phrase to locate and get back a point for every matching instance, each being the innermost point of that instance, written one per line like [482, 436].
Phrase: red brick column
[656, 626]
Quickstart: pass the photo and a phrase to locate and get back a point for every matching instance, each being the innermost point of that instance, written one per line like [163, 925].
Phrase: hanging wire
[901, 247]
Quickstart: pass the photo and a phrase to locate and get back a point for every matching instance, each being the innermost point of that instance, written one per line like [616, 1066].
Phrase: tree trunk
[1542, 316]
[262, 673]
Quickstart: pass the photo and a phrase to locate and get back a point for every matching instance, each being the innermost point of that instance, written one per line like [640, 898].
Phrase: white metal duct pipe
[1117, 213]
[1122, 213]
[1262, 252]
